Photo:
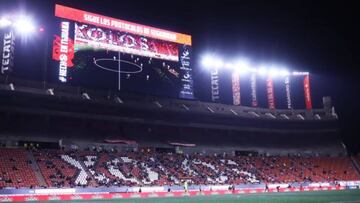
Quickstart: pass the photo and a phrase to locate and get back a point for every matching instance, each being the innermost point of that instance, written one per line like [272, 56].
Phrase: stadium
[108, 110]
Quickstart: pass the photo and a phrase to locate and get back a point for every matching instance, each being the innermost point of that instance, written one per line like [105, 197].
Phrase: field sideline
[344, 196]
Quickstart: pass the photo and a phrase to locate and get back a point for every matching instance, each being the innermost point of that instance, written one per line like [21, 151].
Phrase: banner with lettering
[7, 48]
[270, 92]
[236, 88]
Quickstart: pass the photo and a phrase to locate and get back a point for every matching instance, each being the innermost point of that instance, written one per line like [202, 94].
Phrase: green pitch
[346, 196]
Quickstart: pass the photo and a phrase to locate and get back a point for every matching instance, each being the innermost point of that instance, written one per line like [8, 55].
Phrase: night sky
[314, 36]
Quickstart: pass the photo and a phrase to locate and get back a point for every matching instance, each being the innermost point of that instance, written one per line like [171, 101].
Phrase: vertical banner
[215, 91]
[254, 102]
[270, 93]
[307, 92]
[236, 88]
[63, 51]
[187, 84]
[7, 51]
[288, 92]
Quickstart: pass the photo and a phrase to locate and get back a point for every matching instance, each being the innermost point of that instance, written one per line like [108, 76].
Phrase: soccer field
[345, 196]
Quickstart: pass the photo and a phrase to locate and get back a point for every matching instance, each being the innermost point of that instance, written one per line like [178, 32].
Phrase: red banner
[121, 25]
[270, 93]
[236, 88]
[308, 102]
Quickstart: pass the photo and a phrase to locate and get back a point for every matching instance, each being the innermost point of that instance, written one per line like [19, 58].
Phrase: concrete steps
[36, 168]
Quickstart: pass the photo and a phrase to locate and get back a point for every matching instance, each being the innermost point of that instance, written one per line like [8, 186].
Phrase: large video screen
[91, 50]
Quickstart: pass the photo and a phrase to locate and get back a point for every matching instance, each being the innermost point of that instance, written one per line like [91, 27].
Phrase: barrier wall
[96, 196]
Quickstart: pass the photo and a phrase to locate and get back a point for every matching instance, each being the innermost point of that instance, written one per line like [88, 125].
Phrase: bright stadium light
[284, 72]
[4, 22]
[207, 61]
[229, 66]
[295, 73]
[211, 61]
[24, 25]
[274, 72]
[242, 66]
[218, 63]
[253, 70]
[262, 71]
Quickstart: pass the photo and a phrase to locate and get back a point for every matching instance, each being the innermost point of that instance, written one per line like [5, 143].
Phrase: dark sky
[315, 36]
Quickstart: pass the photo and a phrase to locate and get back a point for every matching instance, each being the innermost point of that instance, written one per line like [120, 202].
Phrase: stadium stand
[56, 171]
[357, 157]
[16, 170]
[148, 168]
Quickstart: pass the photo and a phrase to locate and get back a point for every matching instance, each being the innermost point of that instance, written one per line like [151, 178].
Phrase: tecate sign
[7, 61]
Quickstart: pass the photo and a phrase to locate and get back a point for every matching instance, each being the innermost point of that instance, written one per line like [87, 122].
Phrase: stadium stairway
[355, 163]
[36, 169]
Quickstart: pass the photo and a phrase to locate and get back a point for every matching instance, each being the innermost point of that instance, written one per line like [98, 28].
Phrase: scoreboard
[92, 50]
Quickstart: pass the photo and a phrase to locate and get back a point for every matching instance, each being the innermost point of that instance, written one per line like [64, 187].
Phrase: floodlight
[210, 61]
[4, 22]
[218, 63]
[274, 72]
[24, 25]
[207, 61]
[229, 65]
[284, 72]
[242, 66]
[262, 70]
[300, 73]
[253, 70]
